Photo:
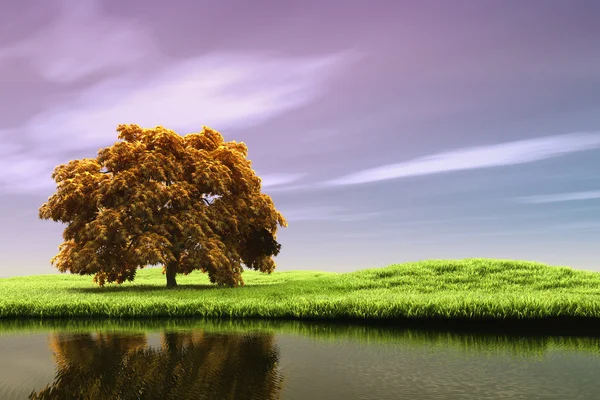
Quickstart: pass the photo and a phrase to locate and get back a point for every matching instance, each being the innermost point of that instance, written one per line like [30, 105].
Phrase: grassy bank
[455, 289]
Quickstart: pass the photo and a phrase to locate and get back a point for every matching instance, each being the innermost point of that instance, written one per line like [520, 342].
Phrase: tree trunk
[171, 271]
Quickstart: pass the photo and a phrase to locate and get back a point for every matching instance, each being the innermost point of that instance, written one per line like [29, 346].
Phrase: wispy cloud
[294, 188]
[517, 152]
[81, 41]
[412, 236]
[575, 227]
[559, 197]
[222, 90]
[274, 180]
[325, 214]
[21, 173]
[219, 90]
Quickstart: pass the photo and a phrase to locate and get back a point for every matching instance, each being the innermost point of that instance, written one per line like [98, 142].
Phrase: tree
[186, 202]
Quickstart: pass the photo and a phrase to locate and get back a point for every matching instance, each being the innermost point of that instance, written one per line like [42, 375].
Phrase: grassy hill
[472, 289]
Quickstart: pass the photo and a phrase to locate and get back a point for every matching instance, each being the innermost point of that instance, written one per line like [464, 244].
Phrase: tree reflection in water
[190, 365]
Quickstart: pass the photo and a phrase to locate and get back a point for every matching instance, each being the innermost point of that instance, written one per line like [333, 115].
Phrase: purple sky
[384, 131]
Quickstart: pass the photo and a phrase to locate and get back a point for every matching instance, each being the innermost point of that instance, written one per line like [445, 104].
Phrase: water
[254, 359]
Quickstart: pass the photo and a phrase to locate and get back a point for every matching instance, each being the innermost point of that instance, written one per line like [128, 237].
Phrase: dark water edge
[520, 338]
[553, 326]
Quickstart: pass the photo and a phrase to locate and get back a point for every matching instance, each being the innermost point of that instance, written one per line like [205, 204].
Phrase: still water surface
[288, 360]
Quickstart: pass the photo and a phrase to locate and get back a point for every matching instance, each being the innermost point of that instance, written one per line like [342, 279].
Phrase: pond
[254, 359]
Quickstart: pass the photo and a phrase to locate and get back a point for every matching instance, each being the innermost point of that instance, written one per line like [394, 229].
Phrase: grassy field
[448, 289]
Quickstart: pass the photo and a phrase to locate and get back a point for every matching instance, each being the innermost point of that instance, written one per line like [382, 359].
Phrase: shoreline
[549, 326]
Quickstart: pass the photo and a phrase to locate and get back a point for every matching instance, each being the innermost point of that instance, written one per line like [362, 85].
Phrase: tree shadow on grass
[143, 288]
[156, 288]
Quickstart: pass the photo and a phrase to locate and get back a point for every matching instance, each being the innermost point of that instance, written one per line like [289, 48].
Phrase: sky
[385, 132]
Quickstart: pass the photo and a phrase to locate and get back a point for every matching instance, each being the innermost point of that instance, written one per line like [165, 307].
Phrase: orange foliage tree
[186, 202]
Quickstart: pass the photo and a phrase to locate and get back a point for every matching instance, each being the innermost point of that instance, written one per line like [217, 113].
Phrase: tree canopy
[188, 202]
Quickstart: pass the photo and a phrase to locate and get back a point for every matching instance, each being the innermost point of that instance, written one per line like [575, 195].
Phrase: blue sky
[385, 132]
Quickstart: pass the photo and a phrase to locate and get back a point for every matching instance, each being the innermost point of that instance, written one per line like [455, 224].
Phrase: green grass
[450, 289]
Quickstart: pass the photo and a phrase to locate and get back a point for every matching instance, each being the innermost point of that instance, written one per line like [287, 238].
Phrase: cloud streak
[325, 214]
[512, 153]
[273, 180]
[560, 197]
